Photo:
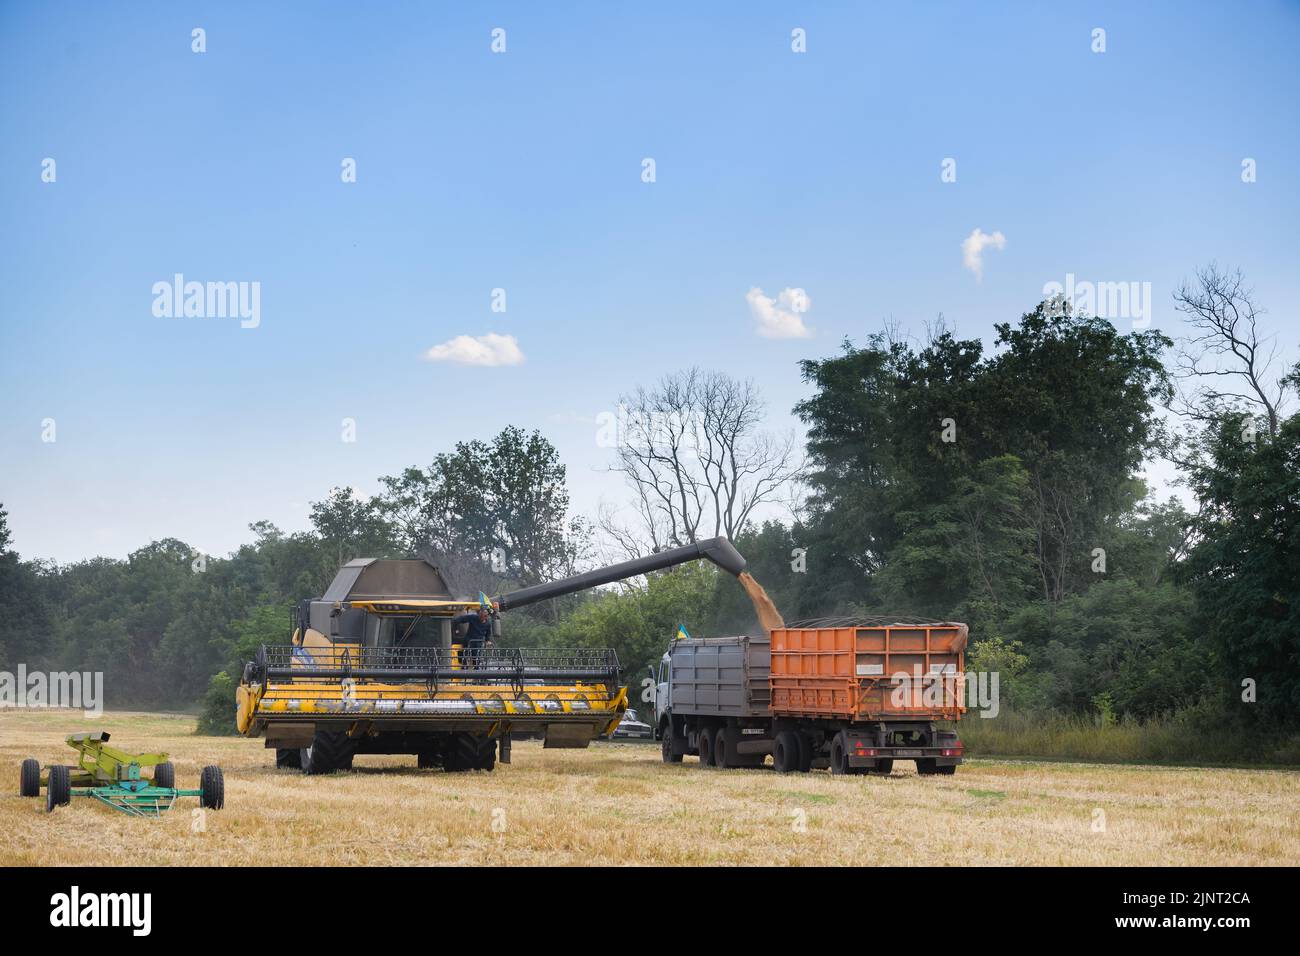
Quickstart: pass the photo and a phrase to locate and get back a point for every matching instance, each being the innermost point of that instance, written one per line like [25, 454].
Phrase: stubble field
[617, 804]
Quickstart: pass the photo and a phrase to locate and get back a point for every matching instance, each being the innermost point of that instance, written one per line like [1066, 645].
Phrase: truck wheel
[59, 789]
[721, 755]
[212, 788]
[706, 748]
[29, 781]
[785, 755]
[288, 759]
[164, 775]
[666, 748]
[883, 767]
[839, 755]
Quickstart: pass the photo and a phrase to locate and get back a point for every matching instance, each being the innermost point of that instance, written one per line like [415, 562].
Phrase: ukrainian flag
[483, 600]
[681, 633]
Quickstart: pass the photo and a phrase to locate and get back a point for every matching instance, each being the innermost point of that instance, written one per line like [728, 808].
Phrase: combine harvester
[372, 669]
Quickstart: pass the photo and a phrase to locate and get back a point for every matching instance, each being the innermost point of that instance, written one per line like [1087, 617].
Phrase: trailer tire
[840, 755]
[805, 753]
[164, 775]
[29, 781]
[883, 768]
[59, 789]
[288, 759]
[212, 788]
[947, 771]
[786, 752]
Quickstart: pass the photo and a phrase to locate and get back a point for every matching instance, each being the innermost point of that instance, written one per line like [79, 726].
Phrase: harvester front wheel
[290, 759]
[470, 752]
[212, 788]
[330, 750]
[29, 783]
[59, 790]
[164, 775]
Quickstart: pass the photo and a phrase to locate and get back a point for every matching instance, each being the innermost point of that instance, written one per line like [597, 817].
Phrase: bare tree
[694, 453]
[1225, 363]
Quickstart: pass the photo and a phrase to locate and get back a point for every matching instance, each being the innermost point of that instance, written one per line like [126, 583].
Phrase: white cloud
[972, 250]
[490, 349]
[782, 317]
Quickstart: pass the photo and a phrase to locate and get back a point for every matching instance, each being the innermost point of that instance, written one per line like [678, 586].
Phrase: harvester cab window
[415, 631]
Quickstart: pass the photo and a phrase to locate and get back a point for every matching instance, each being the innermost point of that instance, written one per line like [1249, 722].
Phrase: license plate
[907, 753]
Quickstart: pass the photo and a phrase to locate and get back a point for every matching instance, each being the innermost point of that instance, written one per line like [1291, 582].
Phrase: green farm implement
[118, 779]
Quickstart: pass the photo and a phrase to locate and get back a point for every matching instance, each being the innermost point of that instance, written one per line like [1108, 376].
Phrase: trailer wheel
[666, 748]
[839, 755]
[29, 781]
[785, 754]
[212, 788]
[59, 789]
[883, 767]
[707, 757]
[164, 775]
[805, 753]
[947, 771]
[288, 759]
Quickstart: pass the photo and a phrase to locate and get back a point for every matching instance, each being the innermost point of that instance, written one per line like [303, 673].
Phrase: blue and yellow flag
[483, 601]
[681, 633]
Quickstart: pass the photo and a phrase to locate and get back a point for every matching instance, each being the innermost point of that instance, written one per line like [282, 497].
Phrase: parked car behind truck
[852, 698]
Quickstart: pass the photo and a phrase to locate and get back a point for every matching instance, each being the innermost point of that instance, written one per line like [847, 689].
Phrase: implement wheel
[212, 788]
[59, 790]
[29, 781]
[288, 759]
[164, 775]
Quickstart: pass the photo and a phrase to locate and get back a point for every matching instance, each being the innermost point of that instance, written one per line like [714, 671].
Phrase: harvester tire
[330, 750]
[164, 775]
[839, 755]
[59, 790]
[212, 788]
[29, 783]
[470, 752]
[290, 759]
[428, 759]
[785, 754]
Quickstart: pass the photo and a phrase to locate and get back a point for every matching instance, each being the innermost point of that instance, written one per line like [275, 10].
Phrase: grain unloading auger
[372, 668]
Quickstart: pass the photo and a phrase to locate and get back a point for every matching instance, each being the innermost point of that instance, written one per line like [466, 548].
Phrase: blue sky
[522, 171]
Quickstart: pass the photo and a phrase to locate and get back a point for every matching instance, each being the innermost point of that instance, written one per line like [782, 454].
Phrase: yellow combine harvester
[373, 667]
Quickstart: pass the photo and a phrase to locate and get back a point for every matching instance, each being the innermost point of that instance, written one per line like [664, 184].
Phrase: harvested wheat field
[618, 804]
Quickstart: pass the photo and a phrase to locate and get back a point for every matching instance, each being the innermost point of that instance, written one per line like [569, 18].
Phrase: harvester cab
[373, 666]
